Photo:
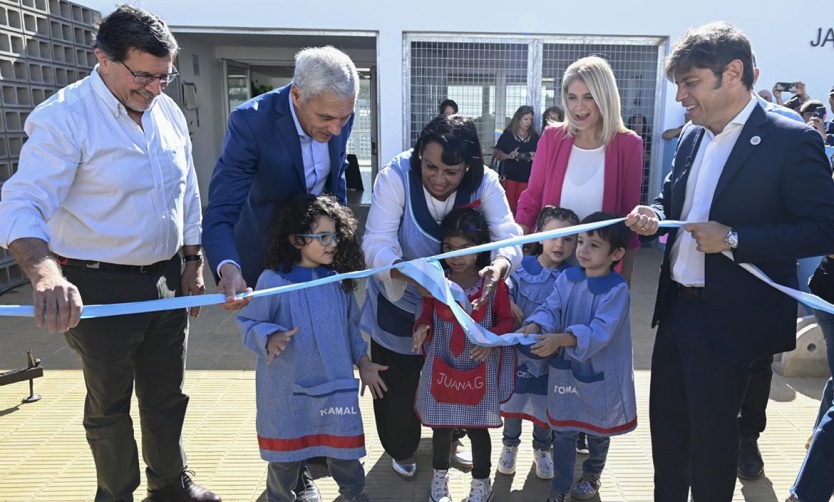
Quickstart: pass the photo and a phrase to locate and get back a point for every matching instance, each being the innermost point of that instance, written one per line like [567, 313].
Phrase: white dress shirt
[381, 243]
[708, 164]
[96, 186]
[315, 155]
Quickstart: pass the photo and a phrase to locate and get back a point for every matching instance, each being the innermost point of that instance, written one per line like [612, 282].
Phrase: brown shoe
[183, 490]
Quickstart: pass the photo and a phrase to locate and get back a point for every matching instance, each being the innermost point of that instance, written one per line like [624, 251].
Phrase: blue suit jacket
[777, 193]
[260, 169]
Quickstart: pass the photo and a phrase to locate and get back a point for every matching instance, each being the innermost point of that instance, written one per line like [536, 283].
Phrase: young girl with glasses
[307, 342]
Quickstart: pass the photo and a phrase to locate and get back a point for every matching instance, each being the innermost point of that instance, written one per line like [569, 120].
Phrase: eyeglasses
[144, 79]
[325, 239]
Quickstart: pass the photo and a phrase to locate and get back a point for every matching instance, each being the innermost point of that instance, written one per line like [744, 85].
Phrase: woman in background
[516, 149]
[552, 115]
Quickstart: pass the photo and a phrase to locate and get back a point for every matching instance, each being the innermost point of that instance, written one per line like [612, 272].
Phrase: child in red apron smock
[462, 384]
[530, 285]
[583, 328]
[307, 342]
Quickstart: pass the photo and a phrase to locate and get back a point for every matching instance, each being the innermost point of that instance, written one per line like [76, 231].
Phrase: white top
[584, 181]
[96, 186]
[381, 243]
[687, 262]
[315, 155]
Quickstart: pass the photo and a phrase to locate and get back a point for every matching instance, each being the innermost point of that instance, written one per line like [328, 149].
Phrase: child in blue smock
[462, 385]
[584, 329]
[530, 285]
[307, 342]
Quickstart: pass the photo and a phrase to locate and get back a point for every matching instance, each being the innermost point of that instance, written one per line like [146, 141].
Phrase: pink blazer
[623, 175]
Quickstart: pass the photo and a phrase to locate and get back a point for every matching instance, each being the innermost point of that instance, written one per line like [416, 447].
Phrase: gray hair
[325, 69]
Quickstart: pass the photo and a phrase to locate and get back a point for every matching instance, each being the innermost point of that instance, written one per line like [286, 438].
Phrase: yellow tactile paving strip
[44, 456]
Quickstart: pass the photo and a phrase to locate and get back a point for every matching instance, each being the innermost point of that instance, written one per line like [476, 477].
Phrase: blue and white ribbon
[427, 272]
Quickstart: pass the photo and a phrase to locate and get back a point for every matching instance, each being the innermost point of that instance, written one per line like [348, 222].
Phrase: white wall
[782, 46]
[208, 136]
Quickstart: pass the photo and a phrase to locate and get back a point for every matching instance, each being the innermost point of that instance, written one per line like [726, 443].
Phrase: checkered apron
[455, 390]
[529, 401]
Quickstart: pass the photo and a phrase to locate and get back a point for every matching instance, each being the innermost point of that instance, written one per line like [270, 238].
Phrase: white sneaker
[544, 464]
[506, 462]
[459, 454]
[440, 487]
[481, 491]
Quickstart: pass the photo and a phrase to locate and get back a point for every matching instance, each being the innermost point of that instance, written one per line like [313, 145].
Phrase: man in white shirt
[749, 182]
[105, 209]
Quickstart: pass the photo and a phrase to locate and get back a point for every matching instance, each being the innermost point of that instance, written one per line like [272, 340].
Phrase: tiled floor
[44, 456]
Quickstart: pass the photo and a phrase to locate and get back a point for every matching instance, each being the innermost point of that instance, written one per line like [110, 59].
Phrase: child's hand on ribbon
[548, 344]
[530, 329]
[277, 343]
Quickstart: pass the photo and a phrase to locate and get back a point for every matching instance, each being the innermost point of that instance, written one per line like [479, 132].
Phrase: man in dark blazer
[759, 186]
[280, 144]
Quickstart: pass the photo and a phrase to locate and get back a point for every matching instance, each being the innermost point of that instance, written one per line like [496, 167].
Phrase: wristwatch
[193, 257]
[731, 239]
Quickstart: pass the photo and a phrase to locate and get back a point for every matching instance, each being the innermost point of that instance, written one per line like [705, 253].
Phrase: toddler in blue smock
[530, 285]
[584, 329]
[307, 342]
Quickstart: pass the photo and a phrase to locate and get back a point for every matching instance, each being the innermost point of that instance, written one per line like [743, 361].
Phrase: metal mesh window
[487, 80]
[490, 77]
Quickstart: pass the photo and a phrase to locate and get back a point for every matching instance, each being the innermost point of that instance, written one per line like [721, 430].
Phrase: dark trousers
[441, 442]
[752, 418]
[396, 422]
[120, 353]
[696, 392]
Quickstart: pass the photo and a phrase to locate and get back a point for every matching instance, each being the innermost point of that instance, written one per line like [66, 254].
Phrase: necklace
[437, 212]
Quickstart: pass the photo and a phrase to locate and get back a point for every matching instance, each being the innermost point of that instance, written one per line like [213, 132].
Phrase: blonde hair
[596, 73]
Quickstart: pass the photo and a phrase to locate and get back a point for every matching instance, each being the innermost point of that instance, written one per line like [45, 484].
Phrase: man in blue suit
[749, 182]
[280, 144]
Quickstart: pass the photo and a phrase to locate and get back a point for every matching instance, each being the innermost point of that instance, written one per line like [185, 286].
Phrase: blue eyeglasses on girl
[325, 239]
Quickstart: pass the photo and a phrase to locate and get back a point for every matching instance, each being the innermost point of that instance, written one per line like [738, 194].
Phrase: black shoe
[582, 444]
[750, 463]
[184, 490]
[306, 490]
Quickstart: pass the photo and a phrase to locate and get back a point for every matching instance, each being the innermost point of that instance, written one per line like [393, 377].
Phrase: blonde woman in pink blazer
[590, 162]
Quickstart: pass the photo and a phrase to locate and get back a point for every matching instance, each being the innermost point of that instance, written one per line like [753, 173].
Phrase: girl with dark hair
[463, 384]
[516, 148]
[411, 197]
[307, 342]
[531, 284]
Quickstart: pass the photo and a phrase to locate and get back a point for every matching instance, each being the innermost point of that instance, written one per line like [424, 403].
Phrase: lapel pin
[755, 140]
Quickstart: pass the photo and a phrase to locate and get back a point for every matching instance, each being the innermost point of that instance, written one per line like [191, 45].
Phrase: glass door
[236, 84]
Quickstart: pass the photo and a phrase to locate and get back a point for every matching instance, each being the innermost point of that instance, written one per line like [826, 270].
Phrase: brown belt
[690, 292]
